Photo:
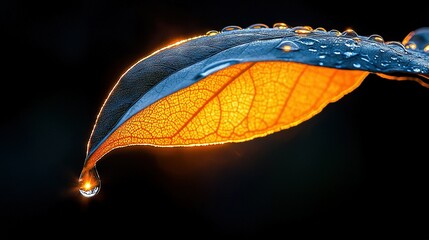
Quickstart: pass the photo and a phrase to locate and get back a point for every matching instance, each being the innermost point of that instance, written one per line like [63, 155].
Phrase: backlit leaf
[240, 84]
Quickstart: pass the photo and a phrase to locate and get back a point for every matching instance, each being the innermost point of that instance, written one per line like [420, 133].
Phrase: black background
[357, 169]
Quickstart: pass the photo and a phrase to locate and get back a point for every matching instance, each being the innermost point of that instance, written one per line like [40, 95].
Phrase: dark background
[357, 169]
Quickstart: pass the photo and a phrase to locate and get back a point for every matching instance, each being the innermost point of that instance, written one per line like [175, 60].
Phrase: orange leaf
[241, 84]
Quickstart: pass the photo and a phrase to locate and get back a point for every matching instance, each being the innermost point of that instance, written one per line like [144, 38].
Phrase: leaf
[241, 84]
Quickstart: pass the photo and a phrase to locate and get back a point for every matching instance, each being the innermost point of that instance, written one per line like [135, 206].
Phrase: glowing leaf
[240, 84]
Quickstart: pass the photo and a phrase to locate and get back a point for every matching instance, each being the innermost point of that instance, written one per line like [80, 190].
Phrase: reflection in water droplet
[230, 28]
[335, 32]
[302, 29]
[280, 25]
[89, 182]
[410, 45]
[356, 65]
[258, 26]
[288, 46]
[319, 29]
[376, 38]
[350, 33]
[212, 32]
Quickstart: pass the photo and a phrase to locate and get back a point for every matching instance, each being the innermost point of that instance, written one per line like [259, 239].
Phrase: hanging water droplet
[319, 29]
[257, 26]
[335, 32]
[350, 33]
[410, 45]
[230, 28]
[214, 67]
[376, 38]
[288, 46]
[280, 25]
[212, 32]
[397, 46]
[302, 29]
[356, 65]
[89, 182]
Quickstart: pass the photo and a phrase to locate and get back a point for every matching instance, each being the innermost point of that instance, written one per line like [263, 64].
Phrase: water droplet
[385, 63]
[411, 45]
[308, 41]
[394, 58]
[337, 52]
[335, 32]
[319, 29]
[258, 26]
[323, 46]
[365, 58]
[230, 28]
[214, 67]
[322, 56]
[356, 65]
[416, 69]
[302, 29]
[350, 54]
[376, 38]
[212, 32]
[396, 46]
[89, 182]
[420, 38]
[350, 33]
[320, 63]
[280, 25]
[288, 46]
[351, 43]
